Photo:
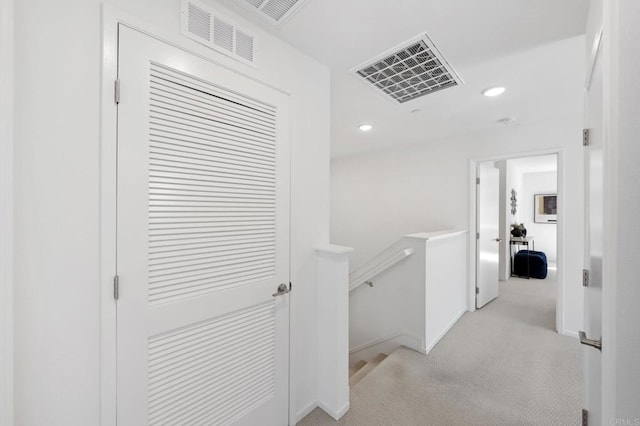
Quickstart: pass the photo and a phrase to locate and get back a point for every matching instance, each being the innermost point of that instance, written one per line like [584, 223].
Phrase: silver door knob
[282, 289]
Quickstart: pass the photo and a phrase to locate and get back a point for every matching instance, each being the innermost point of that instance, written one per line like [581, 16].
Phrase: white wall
[544, 234]
[57, 295]
[6, 212]
[380, 196]
[510, 178]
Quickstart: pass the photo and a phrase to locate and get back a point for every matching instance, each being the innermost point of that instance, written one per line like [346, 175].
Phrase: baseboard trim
[373, 343]
[386, 345]
[570, 333]
[306, 411]
[445, 331]
[335, 415]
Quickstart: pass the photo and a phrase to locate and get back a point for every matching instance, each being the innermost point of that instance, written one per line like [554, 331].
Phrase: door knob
[590, 342]
[282, 289]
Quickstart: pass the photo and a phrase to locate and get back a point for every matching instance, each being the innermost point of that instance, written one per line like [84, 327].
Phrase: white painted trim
[334, 250]
[445, 331]
[401, 339]
[337, 415]
[108, 136]
[305, 412]
[6, 211]
[573, 334]
[473, 167]
[111, 18]
[611, 107]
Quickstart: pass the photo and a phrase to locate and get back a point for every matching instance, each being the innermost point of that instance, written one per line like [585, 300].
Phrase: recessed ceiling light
[493, 91]
[365, 127]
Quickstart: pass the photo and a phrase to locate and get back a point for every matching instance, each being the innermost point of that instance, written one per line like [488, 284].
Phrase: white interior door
[202, 242]
[594, 220]
[488, 211]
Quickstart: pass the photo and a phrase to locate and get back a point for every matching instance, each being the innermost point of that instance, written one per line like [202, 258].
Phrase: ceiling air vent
[409, 71]
[276, 11]
[202, 24]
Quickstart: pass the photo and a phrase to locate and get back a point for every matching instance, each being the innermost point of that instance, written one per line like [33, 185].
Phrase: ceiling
[520, 44]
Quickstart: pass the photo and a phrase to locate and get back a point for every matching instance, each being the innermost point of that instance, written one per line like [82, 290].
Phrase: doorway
[530, 205]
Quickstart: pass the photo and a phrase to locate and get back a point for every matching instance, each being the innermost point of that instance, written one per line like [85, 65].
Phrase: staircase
[362, 368]
[409, 295]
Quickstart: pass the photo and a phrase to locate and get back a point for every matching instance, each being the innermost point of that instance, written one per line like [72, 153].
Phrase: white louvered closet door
[203, 242]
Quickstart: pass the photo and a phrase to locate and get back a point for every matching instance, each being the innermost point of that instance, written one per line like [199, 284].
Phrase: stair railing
[363, 274]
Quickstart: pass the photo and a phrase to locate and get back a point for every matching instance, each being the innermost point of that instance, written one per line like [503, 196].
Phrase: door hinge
[586, 133]
[116, 287]
[477, 181]
[477, 290]
[585, 417]
[116, 91]
[585, 278]
[477, 235]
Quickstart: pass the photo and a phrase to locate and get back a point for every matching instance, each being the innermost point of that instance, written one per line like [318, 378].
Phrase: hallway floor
[501, 365]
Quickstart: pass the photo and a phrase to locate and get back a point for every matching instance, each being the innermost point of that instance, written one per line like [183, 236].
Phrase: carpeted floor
[501, 365]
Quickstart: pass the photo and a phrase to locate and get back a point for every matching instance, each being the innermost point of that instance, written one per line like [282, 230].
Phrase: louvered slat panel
[223, 150]
[196, 253]
[240, 102]
[211, 188]
[173, 96]
[198, 287]
[167, 241]
[212, 372]
[201, 98]
[185, 134]
[209, 125]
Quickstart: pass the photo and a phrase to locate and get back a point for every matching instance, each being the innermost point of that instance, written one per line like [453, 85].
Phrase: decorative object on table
[518, 230]
[514, 202]
[545, 208]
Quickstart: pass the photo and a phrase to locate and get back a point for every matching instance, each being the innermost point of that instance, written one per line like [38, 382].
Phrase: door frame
[6, 212]
[112, 17]
[474, 163]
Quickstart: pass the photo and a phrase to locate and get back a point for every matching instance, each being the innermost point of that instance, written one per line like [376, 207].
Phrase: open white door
[202, 242]
[594, 220]
[488, 212]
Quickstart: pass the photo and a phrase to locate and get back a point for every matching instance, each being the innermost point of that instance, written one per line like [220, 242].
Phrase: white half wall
[414, 302]
[377, 197]
[57, 199]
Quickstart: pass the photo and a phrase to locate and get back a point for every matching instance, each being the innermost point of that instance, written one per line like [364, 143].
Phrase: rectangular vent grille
[213, 372]
[199, 22]
[202, 24]
[408, 72]
[276, 11]
[212, 188]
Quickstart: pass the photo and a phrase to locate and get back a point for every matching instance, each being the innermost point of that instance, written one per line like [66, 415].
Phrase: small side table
[517, 242]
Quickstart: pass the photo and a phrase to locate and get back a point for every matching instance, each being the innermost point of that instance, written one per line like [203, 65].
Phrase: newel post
[333, 329]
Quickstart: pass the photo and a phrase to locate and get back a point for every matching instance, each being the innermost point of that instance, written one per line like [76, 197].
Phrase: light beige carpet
[501, 365]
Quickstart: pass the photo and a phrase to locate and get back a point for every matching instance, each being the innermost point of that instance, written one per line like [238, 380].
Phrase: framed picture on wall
[545, 208]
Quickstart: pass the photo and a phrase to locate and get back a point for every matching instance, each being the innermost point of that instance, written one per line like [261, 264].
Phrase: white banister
[376, 266]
